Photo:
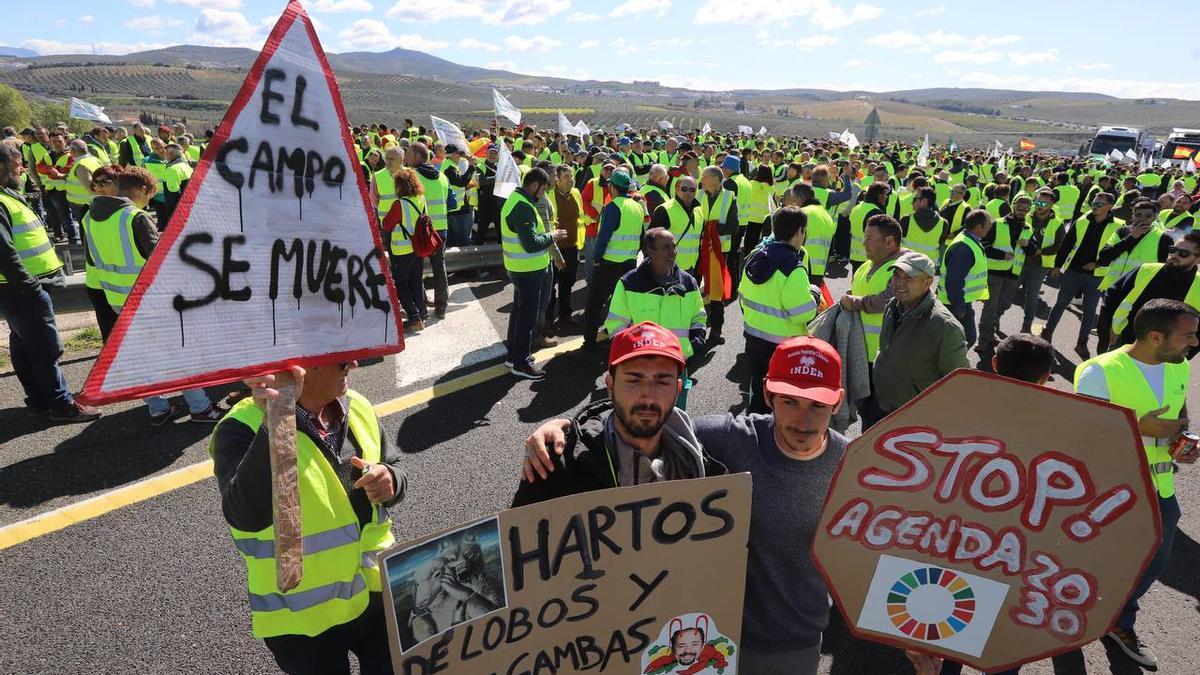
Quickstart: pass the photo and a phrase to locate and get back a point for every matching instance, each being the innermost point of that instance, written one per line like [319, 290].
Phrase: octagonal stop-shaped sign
[989, 521]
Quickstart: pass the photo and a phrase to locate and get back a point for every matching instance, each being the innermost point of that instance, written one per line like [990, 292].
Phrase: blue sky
[709, 44]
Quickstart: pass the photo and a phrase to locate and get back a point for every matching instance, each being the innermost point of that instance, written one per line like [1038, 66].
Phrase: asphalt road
[156, 587]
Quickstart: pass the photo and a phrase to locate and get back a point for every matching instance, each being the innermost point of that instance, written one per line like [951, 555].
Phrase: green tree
[14, 109]
[49, 114]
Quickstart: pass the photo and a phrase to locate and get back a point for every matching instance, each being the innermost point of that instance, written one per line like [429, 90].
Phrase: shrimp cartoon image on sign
[690, 644]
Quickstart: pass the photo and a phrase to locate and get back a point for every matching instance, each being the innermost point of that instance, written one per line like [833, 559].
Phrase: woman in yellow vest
[103, 184]
[1150, 377]
[406, 203]
[349, 474]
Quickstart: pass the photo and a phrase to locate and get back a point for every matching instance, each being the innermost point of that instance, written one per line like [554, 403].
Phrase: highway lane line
[147, 488]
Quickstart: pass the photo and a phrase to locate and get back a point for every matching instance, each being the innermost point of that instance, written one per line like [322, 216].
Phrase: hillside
[196, 83]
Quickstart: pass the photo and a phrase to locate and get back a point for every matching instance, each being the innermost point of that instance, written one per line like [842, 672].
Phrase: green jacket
[916, 349]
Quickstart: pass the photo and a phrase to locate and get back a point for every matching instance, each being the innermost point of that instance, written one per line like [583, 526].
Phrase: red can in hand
[1184, 444]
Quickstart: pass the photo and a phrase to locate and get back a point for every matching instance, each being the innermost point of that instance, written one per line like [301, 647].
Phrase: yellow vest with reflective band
[1004, 242]
[193, 153]
[135, 150]
[723, 201]
[1051, 230]
[993, 208]
[597, 202]
[960, 212]
[1141, 280]
[687, 233]
[975, 285]
[760, 201]
[30, 240]
[858, 223]
[818, 238]
[678, 313]
[1170, 222]
[157, 168]
[91, 276]
[1068, 198]
[176, 174]
[821, 194]
[437, 190]
[115, 254]
[1143, 252]
[929, 243]
[626, 241]
[99, 152]
[460, 193]
[779, 308]
[61, 164]
[385, 187]
[410, 209]
[1081, 227]
[1127, 387]
[868, 281]
[516, 258]
[648, 188]
[339, 555]
[745, 193]
[905, 204]
[77, 193]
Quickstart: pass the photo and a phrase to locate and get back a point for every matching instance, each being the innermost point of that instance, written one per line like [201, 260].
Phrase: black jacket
[585, 464]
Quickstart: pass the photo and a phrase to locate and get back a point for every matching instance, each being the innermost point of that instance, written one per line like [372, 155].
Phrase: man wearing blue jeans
[27, 263]
[1077, 268]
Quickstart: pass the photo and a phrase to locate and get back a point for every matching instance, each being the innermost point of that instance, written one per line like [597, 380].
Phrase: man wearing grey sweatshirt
[791, 455]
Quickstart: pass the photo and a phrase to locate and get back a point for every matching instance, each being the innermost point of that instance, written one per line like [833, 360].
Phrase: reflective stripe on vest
[868, 281]
[921, 241]
[117, 261]
[1141, 281]
[1127, 387]
[135, 150]
[516, 258]
[77, 193]
[1080, 227]
[339, 567]
[30, 239]
[1004, 242]
[780, 307]
[625, 242]
[818, 238]
[436, 192]
[1143, 252]
[975, 285]
[410, 209]
[385, 187]
[858, 222]
[687, 233]
[724, 200]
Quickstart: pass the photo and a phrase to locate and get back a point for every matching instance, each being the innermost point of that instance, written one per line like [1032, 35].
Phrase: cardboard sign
[989, 521]
[646, 579]
[272, 257]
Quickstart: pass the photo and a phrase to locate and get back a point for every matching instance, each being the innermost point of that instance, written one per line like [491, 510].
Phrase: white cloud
[142, 3]
[536, 44]
[1090, 66]
[224, 28]
[931, 11]
[959, 56]
[153, 23]
[1037, 58]
[86, 18]
[500, 65]
[580, 17]
[669, 43]
[472, 43]
[495, 12]
[335, 6]
[210, 4]
[658, 7]
[825, 14]
[623, 47]
[804, 44]
[1112, 87]
[857, 63]
[589, 44]
[902, 39]
[44, 47]
[695, 82]
[372, 35]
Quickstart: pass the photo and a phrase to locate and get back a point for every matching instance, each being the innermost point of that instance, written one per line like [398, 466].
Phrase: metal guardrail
[467, 258]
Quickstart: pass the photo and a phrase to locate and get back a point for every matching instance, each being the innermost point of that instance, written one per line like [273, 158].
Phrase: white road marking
[465, 337]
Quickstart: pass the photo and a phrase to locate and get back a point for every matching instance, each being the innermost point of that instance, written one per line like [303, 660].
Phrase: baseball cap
[645, 339]
[911, 262]
[624, 140]
[731, 163]
[622, 180]
[805, 367]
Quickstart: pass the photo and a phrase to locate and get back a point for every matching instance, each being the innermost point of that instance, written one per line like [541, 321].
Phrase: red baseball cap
[805, 367]
[645, 339]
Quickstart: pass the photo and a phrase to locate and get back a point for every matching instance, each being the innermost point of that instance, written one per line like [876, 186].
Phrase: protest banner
[83, 110]
[448, 133]
[565, 127]
[706, 129]
[923, 153]
[276, 207]
[989, 521]
[646, 579]
[745, 130]
[665, 125]
[505, 109]
[508, 175]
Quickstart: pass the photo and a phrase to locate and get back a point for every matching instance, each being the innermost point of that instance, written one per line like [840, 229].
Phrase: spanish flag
[1027, 144]
[1183, 152]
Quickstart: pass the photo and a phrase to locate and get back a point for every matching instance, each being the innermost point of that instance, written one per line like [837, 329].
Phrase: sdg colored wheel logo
[929, 603]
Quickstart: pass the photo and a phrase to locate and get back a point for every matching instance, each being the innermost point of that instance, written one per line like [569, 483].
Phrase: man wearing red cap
[633, 437]
[792, 455]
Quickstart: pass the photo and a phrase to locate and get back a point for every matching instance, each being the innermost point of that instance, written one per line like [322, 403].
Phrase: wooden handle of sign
[285, 489]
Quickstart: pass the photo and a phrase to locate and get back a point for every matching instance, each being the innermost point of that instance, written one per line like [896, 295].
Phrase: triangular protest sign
[503, 108]
[272, 258]
[565, 127]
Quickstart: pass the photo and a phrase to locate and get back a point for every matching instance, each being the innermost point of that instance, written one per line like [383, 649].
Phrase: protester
[1005, 248]
[568, 205]
[310, 629]
[617, 242]
[437, 192]
[964, 271]
[1150, 377]
[407, 204]
[1078, 269]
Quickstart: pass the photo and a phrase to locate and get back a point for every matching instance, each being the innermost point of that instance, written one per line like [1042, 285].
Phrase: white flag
[508, 176]
[997, 150]
[86, 111]
[834, 136]
[449, 133]
[1116, 156]
[1189, 165]
[565, 127]
[664, 125]
[621, 127]
[852, 142]
[762, 131]
[923, 153]
[1131, 155]
[745, 129]
[1166, 164]
[582, 129]
[707, 128]
[504, 108]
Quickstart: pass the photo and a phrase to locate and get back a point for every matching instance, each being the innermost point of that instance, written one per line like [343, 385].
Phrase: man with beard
[686, 646]
[791, 455]
[1176, 279]
[633, 437]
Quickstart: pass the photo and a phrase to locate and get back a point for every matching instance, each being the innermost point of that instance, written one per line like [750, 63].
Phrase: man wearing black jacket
[489, 207]
[459, 217]
[1176, 279]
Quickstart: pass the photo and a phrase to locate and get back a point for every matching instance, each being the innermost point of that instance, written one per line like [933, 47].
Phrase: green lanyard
[611, 470]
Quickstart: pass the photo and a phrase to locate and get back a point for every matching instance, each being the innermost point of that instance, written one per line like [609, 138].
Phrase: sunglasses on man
[1181, 252]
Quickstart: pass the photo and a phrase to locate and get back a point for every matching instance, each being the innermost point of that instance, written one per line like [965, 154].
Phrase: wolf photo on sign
[446, 581]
